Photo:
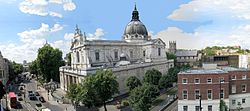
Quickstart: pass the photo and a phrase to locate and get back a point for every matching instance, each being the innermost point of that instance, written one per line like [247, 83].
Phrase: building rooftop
[186, 53]
[218, 70]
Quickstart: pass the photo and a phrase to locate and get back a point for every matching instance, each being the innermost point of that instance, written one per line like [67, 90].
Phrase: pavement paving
[173, 106]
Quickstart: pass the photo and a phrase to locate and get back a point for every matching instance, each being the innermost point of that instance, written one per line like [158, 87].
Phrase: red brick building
[226, 82]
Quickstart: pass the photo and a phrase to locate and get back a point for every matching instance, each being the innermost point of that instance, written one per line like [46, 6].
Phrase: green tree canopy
[48, 61]
[18, 68]
[165, 81]
[133, 82]
[106, 85]
[73, 93]
[88, 93]
[141, 97]
[33, 69]
[171, 56]
[152, 76]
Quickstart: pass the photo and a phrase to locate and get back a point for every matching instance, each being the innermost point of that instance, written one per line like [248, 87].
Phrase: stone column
[75, 80]
[68, 81]
[65, 81]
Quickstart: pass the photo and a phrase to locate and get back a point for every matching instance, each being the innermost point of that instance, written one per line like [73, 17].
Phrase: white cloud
[42, 32]
[69, 6]
[56, 28]
[99, 33]
[33, 39]
[56, 1]
[228, 21]
[44, 7]
[28, 7]
[29, 35]
[55, 14]
[183, 40]
[68, 36]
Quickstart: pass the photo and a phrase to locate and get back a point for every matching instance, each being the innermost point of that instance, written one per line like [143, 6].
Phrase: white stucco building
[133, 55]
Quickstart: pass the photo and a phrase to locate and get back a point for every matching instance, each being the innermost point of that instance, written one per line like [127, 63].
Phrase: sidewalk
[164, 99]
[55, 100]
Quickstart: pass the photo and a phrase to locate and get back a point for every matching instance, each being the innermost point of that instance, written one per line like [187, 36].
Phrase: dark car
[19, 94]
[37, 94]
[32, 96]
[30, 92]
[20, 99]
[41, 99]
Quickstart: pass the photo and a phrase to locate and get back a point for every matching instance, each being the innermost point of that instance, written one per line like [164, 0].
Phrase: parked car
[32, 96]
[39, 107]
[19, 94]
[30, 92]
[37, 94]
[41, 99]
[20, 99]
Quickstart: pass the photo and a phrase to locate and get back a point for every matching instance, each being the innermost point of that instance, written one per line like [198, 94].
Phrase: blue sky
[27, 24]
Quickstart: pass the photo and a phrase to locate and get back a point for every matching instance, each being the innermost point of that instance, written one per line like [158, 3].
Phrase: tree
[223, 106]
[48, 61]
[141, 97]
[106, 85]
[73, 93]
[152, 76]
[68, 58]
[171, 56]
[33, 69]
[172, 73]
[165, 81]
[88, 93]
[133, 82]
[17, 68]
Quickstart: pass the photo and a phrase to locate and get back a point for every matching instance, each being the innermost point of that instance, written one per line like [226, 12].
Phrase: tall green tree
[33, 69]
[172, 73]
[141, 97]
[106, 85]
[88, 93]
[17, 68]
[133, 82]
[48, 61]
[165, 81]
[152, 76]
[73, 94]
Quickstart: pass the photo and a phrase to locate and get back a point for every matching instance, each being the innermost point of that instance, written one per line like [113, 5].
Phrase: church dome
[135, 29]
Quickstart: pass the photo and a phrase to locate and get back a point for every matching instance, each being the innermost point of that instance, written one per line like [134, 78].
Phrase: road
[173, 106]
[52, 105]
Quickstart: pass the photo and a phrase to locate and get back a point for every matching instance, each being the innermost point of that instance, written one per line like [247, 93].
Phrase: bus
[12, 99]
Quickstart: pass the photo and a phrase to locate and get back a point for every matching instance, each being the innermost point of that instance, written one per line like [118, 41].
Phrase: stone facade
[187, 57]
[4, 69]
[132, 56]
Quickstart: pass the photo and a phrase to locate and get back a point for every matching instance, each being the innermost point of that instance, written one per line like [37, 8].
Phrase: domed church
[136, 53]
